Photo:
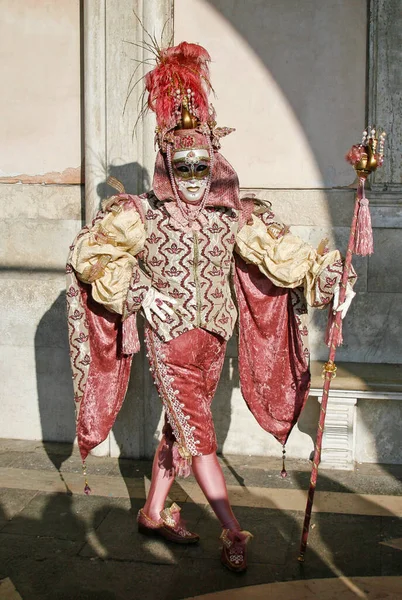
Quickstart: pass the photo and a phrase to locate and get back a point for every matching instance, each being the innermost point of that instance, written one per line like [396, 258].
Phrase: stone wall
[40, 103]
[39, 222]
[41, 196]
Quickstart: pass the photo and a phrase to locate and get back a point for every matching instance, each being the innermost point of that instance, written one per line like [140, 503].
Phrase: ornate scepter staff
[365, 158]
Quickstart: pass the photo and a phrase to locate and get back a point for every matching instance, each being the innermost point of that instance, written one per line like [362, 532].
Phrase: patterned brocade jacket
[139, 241]
[191, 266]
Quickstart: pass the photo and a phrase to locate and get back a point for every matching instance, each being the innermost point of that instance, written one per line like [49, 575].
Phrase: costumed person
[193, 259]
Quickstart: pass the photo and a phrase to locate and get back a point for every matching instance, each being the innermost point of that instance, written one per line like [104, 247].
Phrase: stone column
[94, 102]
[384, 279]
[157, 20]
[118, 143]
[115, 142]
[385, 88]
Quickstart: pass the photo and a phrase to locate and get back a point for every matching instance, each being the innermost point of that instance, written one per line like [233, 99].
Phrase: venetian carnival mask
[191, 170]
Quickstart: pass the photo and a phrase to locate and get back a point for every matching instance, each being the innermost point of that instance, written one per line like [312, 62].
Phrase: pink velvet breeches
[186, 371]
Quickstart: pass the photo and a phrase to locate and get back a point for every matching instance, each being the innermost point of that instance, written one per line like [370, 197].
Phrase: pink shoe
[170, 526]
[234, 551]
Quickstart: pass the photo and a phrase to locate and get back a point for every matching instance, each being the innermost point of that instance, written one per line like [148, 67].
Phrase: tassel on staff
[365, 158]
[364, 232]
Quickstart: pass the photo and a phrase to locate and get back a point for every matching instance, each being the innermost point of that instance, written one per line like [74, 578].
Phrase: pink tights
[208, 474]
[162, 479]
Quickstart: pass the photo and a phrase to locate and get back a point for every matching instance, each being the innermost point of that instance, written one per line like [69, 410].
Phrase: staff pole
[365, 158]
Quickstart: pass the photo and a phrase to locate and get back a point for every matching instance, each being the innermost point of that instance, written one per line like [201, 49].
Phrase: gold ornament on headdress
[188, 121]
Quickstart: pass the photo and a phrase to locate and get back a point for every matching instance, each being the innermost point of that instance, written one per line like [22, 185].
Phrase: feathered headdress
[180, 79]
[178, 89]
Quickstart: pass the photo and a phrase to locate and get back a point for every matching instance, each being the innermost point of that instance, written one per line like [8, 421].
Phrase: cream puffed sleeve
[105, 256]
[290, 262]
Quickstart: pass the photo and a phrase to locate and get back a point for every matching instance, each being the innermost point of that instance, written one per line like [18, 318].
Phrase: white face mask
[191, 173]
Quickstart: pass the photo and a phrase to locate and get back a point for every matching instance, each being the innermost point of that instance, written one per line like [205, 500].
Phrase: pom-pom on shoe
[234, 549]
[170, 526]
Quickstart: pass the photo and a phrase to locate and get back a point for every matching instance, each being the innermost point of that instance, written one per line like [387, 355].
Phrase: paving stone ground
[71, 546]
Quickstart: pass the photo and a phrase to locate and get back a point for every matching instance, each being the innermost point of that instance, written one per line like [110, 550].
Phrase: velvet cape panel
[101, 350]
[273, 350]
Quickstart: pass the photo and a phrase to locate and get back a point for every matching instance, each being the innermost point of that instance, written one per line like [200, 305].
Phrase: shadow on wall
[133, 176]
[54, 383]
[296, 43]
[228, 382]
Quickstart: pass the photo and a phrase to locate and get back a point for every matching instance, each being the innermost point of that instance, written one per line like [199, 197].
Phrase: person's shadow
[54, 384]
[133, 176]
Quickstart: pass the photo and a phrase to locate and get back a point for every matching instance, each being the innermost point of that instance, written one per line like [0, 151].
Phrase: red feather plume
[179, 68]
